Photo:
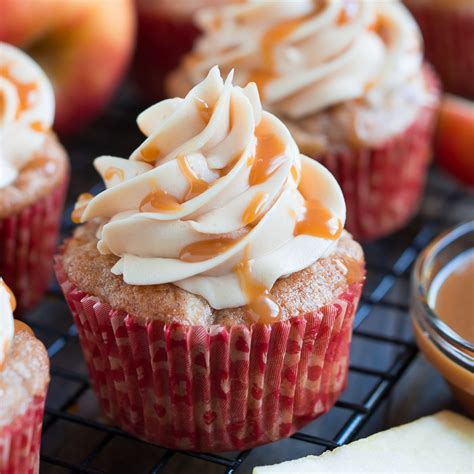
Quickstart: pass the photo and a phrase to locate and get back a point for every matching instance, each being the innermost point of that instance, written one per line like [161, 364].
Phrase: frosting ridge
[7, 306]
[217, 194]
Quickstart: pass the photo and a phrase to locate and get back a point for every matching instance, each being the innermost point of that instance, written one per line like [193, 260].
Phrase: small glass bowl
[450, 354]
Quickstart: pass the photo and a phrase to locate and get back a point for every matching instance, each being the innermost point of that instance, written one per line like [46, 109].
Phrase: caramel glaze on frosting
[301, 292]
[217, 200]
[319, 64]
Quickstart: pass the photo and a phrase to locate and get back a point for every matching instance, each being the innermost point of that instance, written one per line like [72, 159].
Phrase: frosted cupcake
[24, 378]
[347, 78]
[33, 176]
[213, 285]
[448, 32]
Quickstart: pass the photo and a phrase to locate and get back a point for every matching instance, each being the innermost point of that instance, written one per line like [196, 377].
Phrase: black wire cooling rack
[76, 438]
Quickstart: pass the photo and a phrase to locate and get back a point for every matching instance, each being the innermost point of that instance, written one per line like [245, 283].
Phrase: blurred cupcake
[24, 378]
[347, 78]
[448, 33]
[33, 176]
[165, 33]
[213, 286]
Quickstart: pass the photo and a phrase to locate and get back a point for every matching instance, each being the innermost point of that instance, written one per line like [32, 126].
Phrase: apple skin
[454, 139]
[84, 46]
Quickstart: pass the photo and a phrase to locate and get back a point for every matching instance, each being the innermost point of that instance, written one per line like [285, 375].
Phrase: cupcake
[165, 33]
[212, 283]
[24, 378]
[448, 33]
[33, 176]
[348, 80]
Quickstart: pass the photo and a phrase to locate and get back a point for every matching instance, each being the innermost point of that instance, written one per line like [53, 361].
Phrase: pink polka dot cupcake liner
[383, 185]
[27, 245]
[21, 439]
[448, 34]
[213, 388]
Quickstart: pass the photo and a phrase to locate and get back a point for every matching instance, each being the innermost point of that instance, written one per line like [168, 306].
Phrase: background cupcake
[213, 286]
[448, 33]
[24, 378]
[348, 79]
[33, 176]
[165, 33]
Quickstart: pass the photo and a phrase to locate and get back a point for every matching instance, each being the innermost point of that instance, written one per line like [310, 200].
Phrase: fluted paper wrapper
[20, 440]
[218, 388]
[448, 34]
[27, 246]
[383, 185]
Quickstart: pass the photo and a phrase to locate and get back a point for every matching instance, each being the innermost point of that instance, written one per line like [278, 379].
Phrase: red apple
[454, 139]
[83, 46]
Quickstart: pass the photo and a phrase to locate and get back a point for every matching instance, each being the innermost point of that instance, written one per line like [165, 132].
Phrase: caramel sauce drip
[381, 27]
[114, 171]
[296, 174]
[196, 185]
[159, 201]
[254, 209]
[317, 221]
[80, 207]
[37, 126]
[355, 270]
[3, 104]
[347, 12]
[40, 163]
[269, 154]
[261, 79]
[150, 154]
[206, 249]
[205, 111]
[262, 307]
[24, 90]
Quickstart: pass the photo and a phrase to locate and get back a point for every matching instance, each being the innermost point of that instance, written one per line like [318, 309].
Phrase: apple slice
[454, 147]
[440, 443]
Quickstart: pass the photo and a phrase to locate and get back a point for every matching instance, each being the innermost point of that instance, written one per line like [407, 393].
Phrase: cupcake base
[27, 245]
[383, 185]
[20, 440]
[218, 388]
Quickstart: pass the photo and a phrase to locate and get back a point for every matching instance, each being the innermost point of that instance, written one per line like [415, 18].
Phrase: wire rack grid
[77, 439]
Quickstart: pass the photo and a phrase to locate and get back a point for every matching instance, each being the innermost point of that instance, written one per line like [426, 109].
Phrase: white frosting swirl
[307, 55]
[218, 185]
[6, 321]
[26, 111]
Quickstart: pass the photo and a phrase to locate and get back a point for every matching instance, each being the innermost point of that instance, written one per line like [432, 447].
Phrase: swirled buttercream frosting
[217, 200]
[26, 111]
[308, 55]
[7, 306]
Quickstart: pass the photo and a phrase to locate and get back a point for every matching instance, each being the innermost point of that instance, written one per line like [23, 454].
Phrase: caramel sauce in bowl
[442, 309]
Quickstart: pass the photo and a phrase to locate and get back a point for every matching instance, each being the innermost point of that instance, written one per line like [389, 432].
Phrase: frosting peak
[217, 200]
[26, 110]
[307, 55]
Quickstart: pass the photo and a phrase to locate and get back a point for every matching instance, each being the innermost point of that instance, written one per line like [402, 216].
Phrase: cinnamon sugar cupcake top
[26, 111]
[308, 56]
[217, 200]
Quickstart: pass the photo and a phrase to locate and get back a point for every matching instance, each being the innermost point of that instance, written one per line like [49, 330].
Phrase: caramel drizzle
[262, 307]
[355, 270]
[196, 185]
[381, 27]
[206, 249]
[269, 154]
[317, 221]
[159, 201]
[255, 208]
[114, 171]
[24, 90]
[347, 13]
[205, 111]
[80, 207]
[37, 126]
[40, 163]
[150, 153]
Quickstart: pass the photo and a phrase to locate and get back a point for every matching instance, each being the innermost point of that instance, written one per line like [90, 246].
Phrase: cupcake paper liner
[218, 388]
[161, 43]
[383, 185]
[27, 245]
[20, 440]
[448, 35]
